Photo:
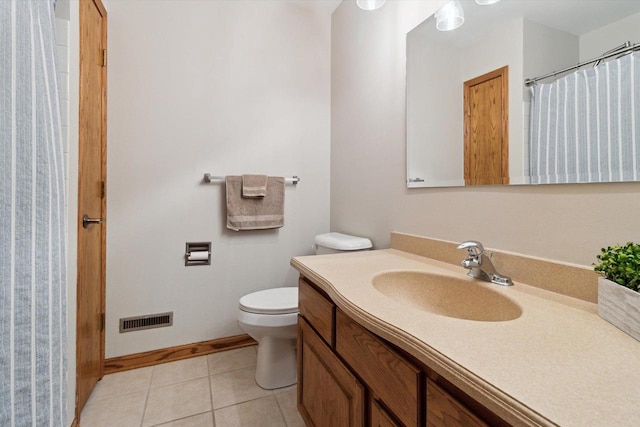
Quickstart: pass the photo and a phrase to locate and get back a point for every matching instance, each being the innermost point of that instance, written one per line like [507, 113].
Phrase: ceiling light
[486, 2]
[450, 16]
[370, 4]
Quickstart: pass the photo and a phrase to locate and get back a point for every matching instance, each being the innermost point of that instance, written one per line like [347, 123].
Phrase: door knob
[86, 221]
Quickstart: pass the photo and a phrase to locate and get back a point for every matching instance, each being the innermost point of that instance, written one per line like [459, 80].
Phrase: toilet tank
[330, 243]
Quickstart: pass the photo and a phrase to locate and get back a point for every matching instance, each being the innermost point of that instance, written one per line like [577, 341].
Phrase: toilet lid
[271, 301]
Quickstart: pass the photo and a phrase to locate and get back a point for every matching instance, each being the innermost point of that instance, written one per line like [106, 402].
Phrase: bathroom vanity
[374, 351]
[345, 371]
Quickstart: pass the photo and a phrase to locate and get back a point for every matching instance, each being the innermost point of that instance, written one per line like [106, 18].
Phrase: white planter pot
[619, 306]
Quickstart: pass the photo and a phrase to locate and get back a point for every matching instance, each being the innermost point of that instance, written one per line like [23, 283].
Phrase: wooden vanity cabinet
[318, 309]
[348, 376]
[391, 378]
[380, 417]
[444, 410]
[328, 394]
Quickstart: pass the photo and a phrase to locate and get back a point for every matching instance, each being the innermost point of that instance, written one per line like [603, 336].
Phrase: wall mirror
[527, 39]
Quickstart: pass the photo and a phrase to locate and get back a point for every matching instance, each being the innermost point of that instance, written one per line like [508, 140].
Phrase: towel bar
[208, 178]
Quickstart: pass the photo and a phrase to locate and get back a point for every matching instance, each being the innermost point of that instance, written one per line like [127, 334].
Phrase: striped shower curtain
[32, 233]
[585, 127]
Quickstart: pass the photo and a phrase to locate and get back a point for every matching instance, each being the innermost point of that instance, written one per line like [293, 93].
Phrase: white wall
[547, 49]
[434, 108]
[601, 40]
[224, 87]
[67, 39]
[368, 195]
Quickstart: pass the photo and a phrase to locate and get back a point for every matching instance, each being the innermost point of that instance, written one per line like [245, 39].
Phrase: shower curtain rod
[627, 47]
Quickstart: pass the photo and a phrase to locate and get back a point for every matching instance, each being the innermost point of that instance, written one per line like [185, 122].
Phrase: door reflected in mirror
[486, 139]
[531, 40]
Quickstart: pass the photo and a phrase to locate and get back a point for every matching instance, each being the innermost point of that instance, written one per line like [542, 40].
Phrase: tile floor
[214, 390]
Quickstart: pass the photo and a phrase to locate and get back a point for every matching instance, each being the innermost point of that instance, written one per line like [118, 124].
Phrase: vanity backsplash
[572, 280]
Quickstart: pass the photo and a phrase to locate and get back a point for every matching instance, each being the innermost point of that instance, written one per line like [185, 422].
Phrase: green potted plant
[619, 287]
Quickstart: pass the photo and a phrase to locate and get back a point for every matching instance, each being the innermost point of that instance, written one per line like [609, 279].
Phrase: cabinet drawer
[328, 394]
[390, 377]
[316, 309]
[444, 410]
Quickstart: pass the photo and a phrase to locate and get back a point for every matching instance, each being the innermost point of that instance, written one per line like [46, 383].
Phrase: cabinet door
[380, 417]
[390, 377]
[328, 394]
[443, 410]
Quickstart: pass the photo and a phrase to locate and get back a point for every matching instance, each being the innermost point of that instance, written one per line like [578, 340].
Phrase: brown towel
[254, 186]
[256, 213]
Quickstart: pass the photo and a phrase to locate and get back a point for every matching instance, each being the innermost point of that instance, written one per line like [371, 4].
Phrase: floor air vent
[149, 321]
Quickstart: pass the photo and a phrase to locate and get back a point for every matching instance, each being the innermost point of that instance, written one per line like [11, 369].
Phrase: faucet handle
[473, 247]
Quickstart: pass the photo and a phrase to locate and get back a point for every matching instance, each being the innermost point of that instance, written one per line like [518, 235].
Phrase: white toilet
[271, 317]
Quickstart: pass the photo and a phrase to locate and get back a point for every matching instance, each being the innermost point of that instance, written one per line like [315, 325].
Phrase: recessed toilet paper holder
[197, 253]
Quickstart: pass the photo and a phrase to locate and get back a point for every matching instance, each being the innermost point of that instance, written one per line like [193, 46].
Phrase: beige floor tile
[179, 371]
[121, 411]
[177, 401]
[234, 387]
[200, 420]
[256, 413]
[289, 405]
[226, 361]
[122, 383]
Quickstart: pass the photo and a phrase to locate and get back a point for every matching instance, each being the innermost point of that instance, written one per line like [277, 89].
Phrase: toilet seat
[271, 301]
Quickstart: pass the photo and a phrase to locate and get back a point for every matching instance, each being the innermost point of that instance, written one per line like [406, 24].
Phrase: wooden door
[328, 394]
[486, 118]
[91, 200]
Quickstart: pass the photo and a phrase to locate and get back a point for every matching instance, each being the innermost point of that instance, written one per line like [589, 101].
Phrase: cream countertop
[559, 363]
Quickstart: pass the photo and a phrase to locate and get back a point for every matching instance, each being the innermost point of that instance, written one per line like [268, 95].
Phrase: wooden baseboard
[171, 354]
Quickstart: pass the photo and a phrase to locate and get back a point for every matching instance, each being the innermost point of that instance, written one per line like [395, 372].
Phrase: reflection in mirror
[531, 38]
[486, 139]
[583, 126]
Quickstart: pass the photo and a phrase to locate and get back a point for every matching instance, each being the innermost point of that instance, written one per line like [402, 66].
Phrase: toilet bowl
[270, 317]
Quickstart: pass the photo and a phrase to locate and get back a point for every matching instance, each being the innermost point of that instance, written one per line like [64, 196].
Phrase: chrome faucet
[480, 265]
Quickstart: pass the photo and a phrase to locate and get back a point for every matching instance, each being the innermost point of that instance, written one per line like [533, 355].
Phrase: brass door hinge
[102, 321]
[104, 57]
[103, 189]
